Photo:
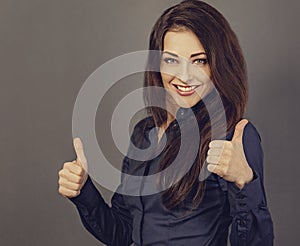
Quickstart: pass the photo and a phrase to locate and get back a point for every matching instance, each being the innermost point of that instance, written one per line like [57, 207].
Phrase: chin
[186, 102]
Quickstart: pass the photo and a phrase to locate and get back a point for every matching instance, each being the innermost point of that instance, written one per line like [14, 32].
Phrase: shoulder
[250, 133]
[251, 139]
[252, 146]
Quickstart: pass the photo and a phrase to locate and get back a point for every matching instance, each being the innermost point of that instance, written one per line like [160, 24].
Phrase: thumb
[78, 146]
[239, 130]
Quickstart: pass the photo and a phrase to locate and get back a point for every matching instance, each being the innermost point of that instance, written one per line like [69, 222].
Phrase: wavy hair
[228, 74]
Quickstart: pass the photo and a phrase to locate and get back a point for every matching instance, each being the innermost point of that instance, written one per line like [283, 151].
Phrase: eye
[200, 61]
[169, 60]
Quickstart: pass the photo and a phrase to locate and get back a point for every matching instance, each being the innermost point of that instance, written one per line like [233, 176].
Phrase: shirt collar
[185, 113]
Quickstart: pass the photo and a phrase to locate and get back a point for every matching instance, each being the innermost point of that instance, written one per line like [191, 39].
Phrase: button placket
[242, 225]
[183, 113]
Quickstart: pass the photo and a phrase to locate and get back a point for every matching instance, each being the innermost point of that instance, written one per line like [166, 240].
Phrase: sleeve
[251, 220]
[111, 225]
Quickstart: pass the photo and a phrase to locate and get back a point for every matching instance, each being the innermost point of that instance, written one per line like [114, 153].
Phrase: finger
[217, 144]
[215, 169]
[76, 168]
[239, 130]
[215, 151]
[68, 193]
[213, 159]
[218, 160]
[69, 185]
[71, 177]
[68, 164]
[211, 167]
[78, 146]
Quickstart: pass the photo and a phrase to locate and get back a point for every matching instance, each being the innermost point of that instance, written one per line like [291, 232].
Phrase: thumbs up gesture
[74, 174]
[227, 158]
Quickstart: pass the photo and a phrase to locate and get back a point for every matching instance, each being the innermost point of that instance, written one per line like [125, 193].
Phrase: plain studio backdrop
[47, 51]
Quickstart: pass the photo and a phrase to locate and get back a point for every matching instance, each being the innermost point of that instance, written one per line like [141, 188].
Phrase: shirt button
[241, 196]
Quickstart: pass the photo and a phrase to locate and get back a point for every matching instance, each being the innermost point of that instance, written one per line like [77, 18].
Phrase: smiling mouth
[188, 88]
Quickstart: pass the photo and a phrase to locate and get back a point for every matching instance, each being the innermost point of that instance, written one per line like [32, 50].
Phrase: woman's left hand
[227, 158]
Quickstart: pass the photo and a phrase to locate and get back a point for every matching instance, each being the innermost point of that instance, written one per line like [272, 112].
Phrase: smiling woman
[182, 48]
[200, 60]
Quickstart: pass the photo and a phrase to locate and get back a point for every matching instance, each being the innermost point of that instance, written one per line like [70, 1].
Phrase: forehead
[183, 43]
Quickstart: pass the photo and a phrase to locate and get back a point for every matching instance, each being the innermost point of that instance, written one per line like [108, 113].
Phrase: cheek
[166, 78]
[207, 71]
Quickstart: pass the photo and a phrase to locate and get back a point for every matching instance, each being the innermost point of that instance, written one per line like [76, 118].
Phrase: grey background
[49, 48]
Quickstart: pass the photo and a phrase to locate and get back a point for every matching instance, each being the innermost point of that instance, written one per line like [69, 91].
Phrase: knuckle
[229, 144]
[78, 170]
[74, 193]
[81, 171]
[212, 152]
[221, 172]
[79, 179]
[77, 187]
[72, 169]
[60, 190]
[62, 173]
[209, 152]
[66, 165]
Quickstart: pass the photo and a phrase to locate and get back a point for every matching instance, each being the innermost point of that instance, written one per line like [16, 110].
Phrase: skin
[179, 67]
[73, 175]
[227, 158]
[184, 63]
[183, 59]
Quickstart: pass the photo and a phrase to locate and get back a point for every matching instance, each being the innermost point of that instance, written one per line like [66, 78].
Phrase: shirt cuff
[88, 197]
[247, 198]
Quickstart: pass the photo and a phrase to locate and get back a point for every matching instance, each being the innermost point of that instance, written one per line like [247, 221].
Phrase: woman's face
[184, 69]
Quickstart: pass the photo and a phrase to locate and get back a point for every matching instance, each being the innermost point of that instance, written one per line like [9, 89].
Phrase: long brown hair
[228, 74]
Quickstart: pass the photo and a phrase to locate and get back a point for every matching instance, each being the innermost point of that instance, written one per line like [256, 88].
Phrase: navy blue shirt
[143, 220]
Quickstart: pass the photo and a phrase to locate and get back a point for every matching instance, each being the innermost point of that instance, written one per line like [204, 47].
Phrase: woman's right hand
[73, 175]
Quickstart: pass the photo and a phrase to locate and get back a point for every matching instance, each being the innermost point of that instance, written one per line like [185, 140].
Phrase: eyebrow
[192, 55]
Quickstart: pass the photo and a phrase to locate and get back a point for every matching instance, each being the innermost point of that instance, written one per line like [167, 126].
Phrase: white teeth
[186, 88]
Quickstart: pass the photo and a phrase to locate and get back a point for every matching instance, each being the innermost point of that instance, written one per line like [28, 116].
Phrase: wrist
[248, 177]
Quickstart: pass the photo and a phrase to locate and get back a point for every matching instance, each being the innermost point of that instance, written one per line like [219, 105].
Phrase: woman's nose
[183, 71]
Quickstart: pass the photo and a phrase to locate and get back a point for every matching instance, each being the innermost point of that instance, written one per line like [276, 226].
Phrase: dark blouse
[143, 220]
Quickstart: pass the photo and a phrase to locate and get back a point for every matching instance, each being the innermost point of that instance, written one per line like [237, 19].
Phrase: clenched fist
[74, 174]
[227, 158]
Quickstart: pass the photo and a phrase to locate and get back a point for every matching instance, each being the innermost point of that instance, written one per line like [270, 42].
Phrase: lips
[185, 90]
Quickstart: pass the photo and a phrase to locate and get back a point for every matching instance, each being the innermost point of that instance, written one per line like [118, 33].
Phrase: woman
[192, 36]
